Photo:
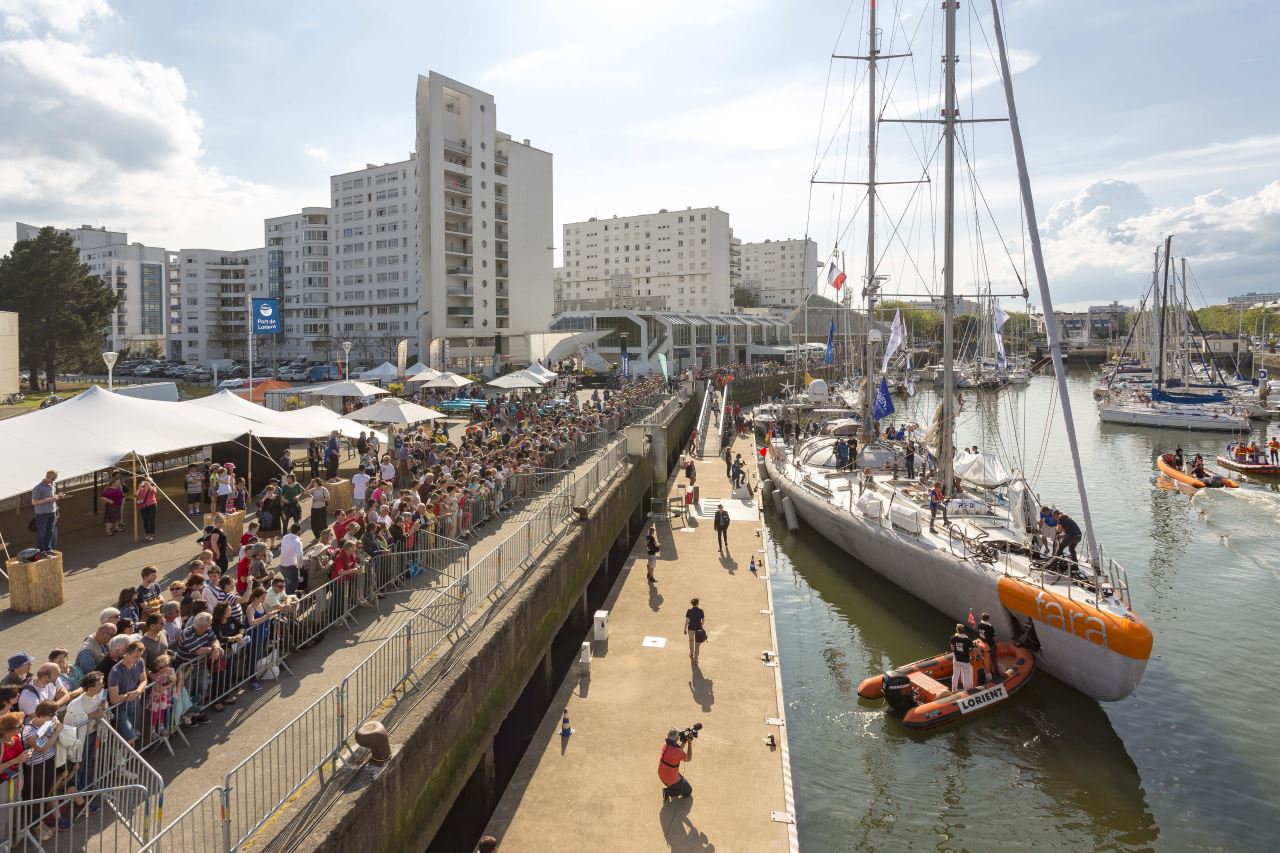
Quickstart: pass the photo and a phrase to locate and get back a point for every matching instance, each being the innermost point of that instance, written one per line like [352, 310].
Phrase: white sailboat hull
[955, 586]
[1149, 416]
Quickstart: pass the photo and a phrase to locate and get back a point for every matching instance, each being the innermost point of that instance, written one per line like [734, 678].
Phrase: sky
[187, 123]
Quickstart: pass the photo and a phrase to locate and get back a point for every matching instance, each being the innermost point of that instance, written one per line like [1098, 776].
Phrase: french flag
[835, 277]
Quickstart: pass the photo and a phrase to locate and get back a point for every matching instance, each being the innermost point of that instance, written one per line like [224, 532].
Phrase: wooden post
[249, 482]
[134, 465]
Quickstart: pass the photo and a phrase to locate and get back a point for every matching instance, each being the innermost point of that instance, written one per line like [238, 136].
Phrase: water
[1188, 762]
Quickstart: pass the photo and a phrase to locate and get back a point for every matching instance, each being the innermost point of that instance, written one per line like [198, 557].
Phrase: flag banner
[897, 335]
[266, 317]
[402, 357]
[835, 277]
[999, 317]
[626, 364]
[883, 405]
[830, 356]
[662, 362]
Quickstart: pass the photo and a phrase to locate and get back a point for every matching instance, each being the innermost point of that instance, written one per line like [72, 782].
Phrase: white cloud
[536, 65]
[61, 16]
[317, 153]
[108, 138]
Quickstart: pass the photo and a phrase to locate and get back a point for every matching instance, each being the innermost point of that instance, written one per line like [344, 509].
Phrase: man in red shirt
[669, 767]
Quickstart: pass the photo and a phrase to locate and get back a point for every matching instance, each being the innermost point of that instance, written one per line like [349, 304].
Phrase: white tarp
[448, 380]
[265, 423]
[318, 421]
[384, 371]
[97, 429]
[346, 388]
[416, 367]
[517, 380]
[981, 469]
[554, 346]
[538, 371]
[392, 410]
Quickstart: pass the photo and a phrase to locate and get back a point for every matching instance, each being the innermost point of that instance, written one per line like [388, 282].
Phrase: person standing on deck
[1068, 535]
[910, 459]
[1274, 447]
[961, 645]
[937, 500]
[987, 633]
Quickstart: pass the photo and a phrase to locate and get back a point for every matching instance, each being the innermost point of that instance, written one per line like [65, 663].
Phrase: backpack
[688, 470]
[266, 518]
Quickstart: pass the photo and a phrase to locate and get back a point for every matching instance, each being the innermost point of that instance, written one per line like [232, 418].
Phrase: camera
[689, 733]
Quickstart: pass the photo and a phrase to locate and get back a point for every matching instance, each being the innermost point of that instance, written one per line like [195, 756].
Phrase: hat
[673, 734]
[21, 659]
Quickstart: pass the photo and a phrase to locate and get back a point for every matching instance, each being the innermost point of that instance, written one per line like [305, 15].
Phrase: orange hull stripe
[1128, 637]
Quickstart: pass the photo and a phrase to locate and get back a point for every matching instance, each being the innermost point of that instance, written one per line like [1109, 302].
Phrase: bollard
[373, 736]
[565, 731]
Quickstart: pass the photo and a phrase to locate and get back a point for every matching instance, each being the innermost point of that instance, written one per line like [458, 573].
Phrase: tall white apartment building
[670, 260]
[139, 276]
[215, 289]
[780, 272]
[375, 259]
[299, 272]
[485, 229]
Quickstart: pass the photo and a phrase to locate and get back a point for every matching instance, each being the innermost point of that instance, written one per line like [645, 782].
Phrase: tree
[744, 298]
[63, 310]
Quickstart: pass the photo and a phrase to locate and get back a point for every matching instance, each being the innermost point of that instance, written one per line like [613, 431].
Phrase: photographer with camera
[678, 747]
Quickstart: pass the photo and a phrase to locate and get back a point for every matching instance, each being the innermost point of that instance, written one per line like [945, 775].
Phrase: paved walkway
[598, 789]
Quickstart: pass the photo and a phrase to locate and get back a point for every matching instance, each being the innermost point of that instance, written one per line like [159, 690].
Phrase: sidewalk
[598, 789]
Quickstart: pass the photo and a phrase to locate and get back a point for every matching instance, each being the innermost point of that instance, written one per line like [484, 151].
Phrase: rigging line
[895, 232]
[822, 114]
[991, 215]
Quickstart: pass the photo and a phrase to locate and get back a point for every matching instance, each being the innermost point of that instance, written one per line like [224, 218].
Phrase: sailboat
[991, 555]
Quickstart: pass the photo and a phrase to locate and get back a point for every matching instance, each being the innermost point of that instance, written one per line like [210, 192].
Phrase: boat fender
[767, 490]
[896, 688]
[777, 502]
[789, 510]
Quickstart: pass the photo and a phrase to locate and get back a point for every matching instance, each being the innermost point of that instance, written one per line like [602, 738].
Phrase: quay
[598, 789]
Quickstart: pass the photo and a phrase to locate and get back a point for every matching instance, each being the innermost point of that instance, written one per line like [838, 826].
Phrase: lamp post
[471, 356]
[109, 359]
[346, 358]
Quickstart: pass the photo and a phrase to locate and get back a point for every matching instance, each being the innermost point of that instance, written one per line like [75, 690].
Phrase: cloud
[536, 65]
[61, 16]
[318, 153]
[94, 136]
[1100, 243]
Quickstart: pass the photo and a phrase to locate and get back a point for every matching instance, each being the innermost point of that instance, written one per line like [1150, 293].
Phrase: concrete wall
[8, 353]
[449, 732]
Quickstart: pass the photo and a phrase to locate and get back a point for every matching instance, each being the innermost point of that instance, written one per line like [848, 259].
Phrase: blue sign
[266, 317]
[883, 405]
[626, 364]
[830, 354]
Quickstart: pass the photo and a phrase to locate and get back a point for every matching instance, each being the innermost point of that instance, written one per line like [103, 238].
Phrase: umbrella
[448, 380]
[513, 381]
[345, 388]
[390, 410]
[426, 374]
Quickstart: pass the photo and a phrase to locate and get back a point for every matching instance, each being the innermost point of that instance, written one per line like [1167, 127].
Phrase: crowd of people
[158, 662]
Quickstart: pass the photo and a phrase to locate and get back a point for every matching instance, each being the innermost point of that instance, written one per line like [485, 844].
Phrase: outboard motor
[897, 691]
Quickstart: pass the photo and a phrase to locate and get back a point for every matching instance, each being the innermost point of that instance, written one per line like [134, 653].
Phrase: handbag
[700, 635]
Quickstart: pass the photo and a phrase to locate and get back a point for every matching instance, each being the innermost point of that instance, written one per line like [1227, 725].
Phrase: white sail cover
[981, 469]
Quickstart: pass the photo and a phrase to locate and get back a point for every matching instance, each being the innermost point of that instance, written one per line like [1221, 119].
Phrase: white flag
[999, 317]
[897, 334]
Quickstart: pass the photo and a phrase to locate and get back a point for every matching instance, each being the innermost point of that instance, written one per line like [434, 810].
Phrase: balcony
[463, 311]
[457, 165]
[499, 196]
[457, 145]
[457, 228]
[457, 207]
[459, 270]
[502, 291]
[457, 249]
[500, 234]
[457, 188]
[499, 216]
[459, 290]
[502, 256]
[500, 157]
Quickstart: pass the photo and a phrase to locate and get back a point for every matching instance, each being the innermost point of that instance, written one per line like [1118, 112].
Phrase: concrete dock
[598, 788]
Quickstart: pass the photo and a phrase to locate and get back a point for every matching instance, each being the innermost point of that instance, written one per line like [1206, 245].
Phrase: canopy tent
[426, 374]
[515, 381]
[317, 421]
[539, 372]
[448, 380]
[416, 367]
[98, 429]
[981, 469]
[384, 371]
[345, 388]
[264, 422]
[258, 392]
[391, 410]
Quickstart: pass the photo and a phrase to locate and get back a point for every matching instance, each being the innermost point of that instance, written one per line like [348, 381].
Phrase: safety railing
[314, 741]
[704, 419]
[111, 819]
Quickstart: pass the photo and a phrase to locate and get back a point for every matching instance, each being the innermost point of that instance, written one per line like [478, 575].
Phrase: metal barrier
[112, 819]
[257, 787]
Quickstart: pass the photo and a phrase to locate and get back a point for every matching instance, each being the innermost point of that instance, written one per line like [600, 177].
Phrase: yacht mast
[946, 439]
[869, 285]
[1042, 278]
[1164, 302]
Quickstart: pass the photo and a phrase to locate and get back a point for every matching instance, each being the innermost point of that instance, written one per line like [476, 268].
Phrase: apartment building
[214, 291]
[679, 260]
[375, 258]
[484, 229]
[139, 276]
[298, 254]
[780, 272]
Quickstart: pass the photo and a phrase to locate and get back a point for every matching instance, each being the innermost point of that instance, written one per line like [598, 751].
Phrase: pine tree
[63, 310]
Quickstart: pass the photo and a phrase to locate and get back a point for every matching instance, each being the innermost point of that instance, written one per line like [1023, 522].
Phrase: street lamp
[109, 359]
[346, 357]
[471, 356]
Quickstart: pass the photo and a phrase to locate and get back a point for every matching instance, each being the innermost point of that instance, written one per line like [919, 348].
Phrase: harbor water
[1188, 762]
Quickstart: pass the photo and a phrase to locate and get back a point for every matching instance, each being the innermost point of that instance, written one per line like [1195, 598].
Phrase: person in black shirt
[1068, 534]
[721, 524]
[961, 645]
[693, 619]
[652, 548]
[987, 634]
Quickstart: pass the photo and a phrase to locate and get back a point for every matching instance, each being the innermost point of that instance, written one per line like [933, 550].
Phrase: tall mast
[869, 286]
[1164, 301]
[1042, 278]
[945, 440]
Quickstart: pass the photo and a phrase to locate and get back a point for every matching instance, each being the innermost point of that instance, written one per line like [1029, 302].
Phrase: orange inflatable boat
[1166, 466]
[922, 691]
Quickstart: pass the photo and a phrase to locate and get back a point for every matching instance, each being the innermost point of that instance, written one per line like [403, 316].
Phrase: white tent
[426, 374]
[416, 367]
[317, 421]
[537, 371]
[390, 410]
[97, 429]
[384, 371]
[262, 422]
[513, 381]
[345, 388]
[448, 380]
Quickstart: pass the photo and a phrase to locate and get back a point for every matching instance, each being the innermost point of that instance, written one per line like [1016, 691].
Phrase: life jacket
[669, 764]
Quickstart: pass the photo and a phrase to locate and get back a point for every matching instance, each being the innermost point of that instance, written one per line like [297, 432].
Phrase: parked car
[323, 373]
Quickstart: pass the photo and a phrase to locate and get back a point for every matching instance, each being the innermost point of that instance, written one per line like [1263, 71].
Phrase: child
[164, 686]
[251, 533]
[241, 496]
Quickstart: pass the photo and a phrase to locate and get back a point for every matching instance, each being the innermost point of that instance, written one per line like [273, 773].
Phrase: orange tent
[260, 388]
